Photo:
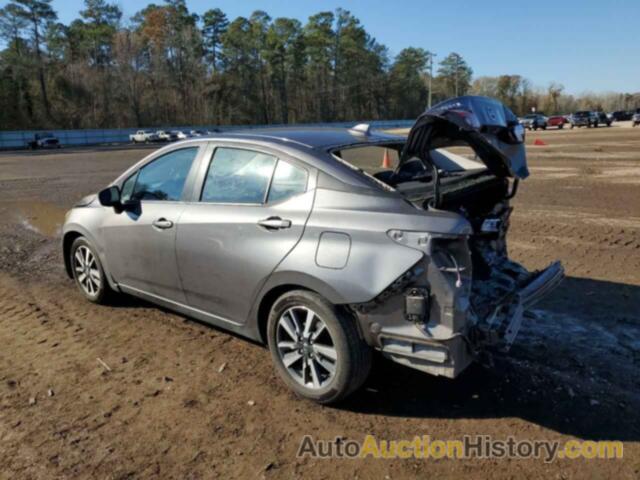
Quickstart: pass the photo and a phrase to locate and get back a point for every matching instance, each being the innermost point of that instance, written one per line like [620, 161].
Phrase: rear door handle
[162, 223]
[274, 223]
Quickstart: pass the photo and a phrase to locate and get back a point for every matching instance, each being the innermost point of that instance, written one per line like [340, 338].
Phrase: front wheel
[88, 272]
[316, 347]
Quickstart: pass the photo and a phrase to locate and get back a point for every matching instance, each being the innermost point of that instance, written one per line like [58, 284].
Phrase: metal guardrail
[20, 139]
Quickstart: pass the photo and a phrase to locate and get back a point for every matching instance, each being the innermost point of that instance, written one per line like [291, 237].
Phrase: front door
[251, 212]
[140, 241]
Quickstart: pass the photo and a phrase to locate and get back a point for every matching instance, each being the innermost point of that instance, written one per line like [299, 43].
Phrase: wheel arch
[73, 231]
[67, 241]
[278, 285]
[267, 302]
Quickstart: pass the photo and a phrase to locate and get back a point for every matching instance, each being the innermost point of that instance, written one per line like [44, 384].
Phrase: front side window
[164, 178]
[288, 180]
[238, 176]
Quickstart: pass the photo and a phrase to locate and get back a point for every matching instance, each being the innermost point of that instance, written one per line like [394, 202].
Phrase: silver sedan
[296, 238]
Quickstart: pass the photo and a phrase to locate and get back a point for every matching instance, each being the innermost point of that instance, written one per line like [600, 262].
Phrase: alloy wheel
[87, 271]
[306, 348]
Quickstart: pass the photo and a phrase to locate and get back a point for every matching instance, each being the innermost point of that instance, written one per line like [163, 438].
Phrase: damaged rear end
[466, 294]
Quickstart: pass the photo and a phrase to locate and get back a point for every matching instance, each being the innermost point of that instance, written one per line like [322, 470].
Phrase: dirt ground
[133, 391]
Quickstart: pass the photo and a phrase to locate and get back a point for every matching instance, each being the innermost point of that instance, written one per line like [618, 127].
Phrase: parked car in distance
[281, 236]
[166, 136]
[180, 135]
[44, 140]
[621, 115]
[534, 121]
[197, 133]
[556, 121]
[635, 119]
[584, 118]
[603, 119]
[144, 136]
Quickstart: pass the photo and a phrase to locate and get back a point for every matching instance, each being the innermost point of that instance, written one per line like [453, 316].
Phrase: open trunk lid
[484, 124]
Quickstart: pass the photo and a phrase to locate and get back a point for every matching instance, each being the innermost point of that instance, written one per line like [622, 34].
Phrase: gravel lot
[183, 400]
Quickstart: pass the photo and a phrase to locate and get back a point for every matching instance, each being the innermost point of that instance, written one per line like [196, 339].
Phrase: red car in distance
[556, 121]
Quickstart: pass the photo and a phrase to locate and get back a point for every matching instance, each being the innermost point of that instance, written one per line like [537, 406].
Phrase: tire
[102, 292]
[544, 127]
[572, 125]
[352, 355]
[561, 126]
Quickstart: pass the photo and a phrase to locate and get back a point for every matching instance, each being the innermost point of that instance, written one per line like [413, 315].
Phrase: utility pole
[431, 55]
[457, 70]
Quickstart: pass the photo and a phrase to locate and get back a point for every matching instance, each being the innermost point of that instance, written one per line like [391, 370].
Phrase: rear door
[248, 213]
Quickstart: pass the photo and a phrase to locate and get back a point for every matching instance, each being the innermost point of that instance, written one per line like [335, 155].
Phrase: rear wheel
[316, 347]
[88, 272]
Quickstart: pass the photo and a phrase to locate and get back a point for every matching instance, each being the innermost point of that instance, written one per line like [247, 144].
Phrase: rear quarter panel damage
[346, 249]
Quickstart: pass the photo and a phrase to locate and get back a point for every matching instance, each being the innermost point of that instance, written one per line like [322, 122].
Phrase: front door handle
[162, 223]
[274, 223]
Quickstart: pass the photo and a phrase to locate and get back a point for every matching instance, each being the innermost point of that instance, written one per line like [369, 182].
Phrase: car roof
[313, 145]
[321, 138]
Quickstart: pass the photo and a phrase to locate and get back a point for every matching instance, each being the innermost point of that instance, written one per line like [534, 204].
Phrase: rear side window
[288, 180]
[164, 178]
[238, 176]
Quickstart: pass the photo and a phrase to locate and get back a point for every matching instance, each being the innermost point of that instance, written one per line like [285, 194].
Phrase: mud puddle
[41, 217]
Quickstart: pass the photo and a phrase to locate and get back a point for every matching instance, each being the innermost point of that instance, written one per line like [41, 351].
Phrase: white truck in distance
[143, 136]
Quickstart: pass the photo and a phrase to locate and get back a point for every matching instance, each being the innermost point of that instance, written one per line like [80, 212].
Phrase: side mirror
[110, 197]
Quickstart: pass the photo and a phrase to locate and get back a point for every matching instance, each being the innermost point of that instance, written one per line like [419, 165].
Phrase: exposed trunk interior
[483, 199]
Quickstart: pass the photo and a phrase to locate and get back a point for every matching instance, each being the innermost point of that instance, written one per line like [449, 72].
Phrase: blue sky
[587, 45]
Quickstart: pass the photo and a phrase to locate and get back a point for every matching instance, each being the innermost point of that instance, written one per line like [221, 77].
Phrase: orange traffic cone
[538, 142]
[386, 160]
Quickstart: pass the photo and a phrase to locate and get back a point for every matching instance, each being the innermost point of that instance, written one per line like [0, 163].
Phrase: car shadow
[576, 384]
[570, 382]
